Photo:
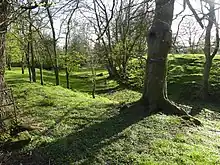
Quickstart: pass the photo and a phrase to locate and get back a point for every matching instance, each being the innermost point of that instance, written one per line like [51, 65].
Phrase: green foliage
[184, 76]
[13, 47]
[80, 80]
[73, 60]
[135, 71]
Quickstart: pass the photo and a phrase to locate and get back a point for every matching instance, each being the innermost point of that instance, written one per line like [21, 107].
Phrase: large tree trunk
[3, 31]
[159, 43]
[2, 60]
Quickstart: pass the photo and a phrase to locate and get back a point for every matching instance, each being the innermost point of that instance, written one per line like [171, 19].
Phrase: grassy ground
[72, 128]
[185, 77]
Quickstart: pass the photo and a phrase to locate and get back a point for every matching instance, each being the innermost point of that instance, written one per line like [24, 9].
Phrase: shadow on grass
[83, 145]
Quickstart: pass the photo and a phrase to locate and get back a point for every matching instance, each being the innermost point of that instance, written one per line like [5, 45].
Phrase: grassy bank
[70, 127]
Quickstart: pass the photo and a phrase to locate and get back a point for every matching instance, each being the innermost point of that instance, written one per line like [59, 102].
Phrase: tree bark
[31, 49]
[22, 64]
[2, 60]
[3, 31]
[56, 64]
[41, 74]
[67, 79]
[28, 63]
[206, 74]
[112, 71]
[207, 49]
[8, 61]
[159, 43]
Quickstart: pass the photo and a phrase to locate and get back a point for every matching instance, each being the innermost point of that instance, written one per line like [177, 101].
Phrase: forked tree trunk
[159, 43]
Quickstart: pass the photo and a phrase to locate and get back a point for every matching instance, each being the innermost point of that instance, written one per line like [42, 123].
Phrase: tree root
[165, 106]
[171, 108]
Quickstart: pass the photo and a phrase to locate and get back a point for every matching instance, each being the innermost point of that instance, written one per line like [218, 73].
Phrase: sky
[177, 8]
[191, 21]
[196, 5]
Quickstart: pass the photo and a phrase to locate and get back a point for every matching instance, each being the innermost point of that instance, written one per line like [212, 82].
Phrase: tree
[25, 48]
[121, 32]
[192, 34]
[56, 64]
[159, 43]
[30, 46]
[209, 53]
[67, 38]
[4, 9]
[102, 28]
[129, 35]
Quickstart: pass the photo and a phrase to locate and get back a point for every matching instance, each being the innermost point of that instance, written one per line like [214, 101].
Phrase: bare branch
[194, 13]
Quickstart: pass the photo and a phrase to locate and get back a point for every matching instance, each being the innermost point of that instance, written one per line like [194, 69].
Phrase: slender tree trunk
[22, 64]
[41, 74]
[207, 48]
[159, 43]
[206, 74]
[31, 49]
[8, 61]
[56, 71]
[33, 71]
[67, 78]
[56, 64]
[28, 63]
[93, 82]
[67, 43]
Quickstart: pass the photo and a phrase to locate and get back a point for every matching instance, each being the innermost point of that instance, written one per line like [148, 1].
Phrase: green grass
[80, 81]
[185, 77]
[73, 128]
